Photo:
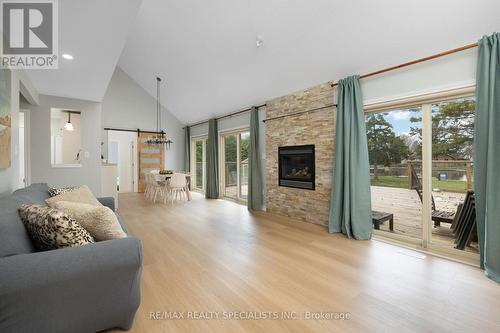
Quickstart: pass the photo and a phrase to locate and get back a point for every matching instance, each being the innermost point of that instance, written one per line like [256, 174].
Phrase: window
[421, 166]
[234, 162]
[198, 162]
[65, 137]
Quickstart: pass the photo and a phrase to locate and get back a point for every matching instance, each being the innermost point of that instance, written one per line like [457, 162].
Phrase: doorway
[122, 152]
[234, 164]
[198, 163]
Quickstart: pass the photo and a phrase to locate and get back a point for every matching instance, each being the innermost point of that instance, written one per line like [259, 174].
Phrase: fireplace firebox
[296, 167]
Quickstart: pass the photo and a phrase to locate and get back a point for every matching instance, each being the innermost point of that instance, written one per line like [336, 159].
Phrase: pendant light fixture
[160, 137]
[69, 126]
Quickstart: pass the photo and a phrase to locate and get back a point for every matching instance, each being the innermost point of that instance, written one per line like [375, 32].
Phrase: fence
[453, 170]
[448, 169]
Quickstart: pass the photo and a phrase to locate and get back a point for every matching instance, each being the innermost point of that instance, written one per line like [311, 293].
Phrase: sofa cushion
[82, 195]
[53, 191]
[14, 238]
[51, 229]
[99, 221]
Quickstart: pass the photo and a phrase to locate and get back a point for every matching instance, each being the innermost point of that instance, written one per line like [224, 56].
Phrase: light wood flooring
[213, 255]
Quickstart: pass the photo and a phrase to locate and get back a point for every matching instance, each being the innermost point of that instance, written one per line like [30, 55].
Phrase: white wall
[41, 168]
[9, 178]
[127, 105]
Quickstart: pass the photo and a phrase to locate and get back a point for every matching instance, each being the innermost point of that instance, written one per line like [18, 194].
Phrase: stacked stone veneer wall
[308, 128]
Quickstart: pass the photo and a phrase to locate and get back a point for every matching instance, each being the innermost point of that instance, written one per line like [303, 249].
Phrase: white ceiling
[206, 52]
[94, 32]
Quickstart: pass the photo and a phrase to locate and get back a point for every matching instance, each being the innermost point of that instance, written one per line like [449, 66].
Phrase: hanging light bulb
[69, 126]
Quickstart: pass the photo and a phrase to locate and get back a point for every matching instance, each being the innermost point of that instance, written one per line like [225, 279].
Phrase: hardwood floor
[212, 255]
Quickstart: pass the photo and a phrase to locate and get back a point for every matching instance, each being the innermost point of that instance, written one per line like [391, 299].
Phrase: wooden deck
[407, 209]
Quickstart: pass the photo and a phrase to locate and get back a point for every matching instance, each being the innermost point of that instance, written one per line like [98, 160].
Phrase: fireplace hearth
[296, 167]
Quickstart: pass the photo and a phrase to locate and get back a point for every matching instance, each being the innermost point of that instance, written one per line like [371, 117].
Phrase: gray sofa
[84, 289]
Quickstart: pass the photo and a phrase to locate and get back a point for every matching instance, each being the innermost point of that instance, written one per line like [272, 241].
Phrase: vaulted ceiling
[206, 50]
[94, 32]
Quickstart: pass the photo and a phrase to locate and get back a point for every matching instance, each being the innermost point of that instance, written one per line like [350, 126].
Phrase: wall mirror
[65, 138]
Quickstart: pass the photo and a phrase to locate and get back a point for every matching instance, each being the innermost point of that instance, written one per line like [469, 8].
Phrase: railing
[453, 175]
[437, 171]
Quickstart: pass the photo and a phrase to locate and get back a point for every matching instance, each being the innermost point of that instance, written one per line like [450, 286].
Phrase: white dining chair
[154, 190]
[177, 187]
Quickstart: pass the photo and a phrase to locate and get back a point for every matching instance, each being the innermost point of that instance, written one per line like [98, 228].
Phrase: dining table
[166, 176]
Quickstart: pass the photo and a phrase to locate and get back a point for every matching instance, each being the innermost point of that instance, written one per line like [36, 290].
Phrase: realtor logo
[29, 34]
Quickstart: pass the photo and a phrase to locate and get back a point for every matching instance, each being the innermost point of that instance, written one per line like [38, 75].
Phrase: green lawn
[402, 182]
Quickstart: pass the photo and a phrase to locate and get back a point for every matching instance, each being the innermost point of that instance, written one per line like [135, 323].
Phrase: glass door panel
[452, 169]
[234, 164]
[395, 154]
[199, 163]
[244, 140]
[231, 166]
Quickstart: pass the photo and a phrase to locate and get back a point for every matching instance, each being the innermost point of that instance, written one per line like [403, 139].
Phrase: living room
[267, 166]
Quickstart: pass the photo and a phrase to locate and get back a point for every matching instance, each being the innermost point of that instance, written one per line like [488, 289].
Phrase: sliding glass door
[234, 164]
[452, 172]
[395, 154]
[421, 173]
[198, 163]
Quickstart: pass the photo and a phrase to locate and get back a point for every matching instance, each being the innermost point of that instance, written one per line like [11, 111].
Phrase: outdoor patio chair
[464, 228]
[438, 216]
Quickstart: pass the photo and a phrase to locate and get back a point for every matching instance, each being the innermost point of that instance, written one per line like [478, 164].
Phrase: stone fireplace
[296, 167]
[303, 194]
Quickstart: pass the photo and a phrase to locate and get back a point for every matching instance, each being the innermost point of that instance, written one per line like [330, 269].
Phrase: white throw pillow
[99, 221]
[81, 195]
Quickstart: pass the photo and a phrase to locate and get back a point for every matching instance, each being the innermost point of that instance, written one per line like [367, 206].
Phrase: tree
[452, 129]
[199, 151]
[384, 147]
[230, 147]
[413, 143]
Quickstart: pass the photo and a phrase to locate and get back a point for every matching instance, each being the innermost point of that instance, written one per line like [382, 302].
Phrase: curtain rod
[413, 62]
[227, 115]
[132, 130]
[300, 112]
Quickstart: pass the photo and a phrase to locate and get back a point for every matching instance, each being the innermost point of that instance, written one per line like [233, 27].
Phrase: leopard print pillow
[53, 191]
[51, 229]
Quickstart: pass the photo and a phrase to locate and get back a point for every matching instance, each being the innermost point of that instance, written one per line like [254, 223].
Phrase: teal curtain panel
[487, 154]
[254, 200]
[350, 207]
[212, 172]
[187, 150]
